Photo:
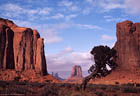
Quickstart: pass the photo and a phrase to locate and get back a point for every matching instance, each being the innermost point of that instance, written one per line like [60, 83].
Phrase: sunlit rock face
[21, 48]
[128, 45]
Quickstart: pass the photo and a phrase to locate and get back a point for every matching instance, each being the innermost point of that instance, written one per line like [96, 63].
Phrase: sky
[71, 28]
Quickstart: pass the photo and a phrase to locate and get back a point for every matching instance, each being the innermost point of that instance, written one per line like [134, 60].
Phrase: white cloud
[128, 6]
[65, 60]
[132, 6]
[12, 7]
[112, 19]
[86, 11]
[45, 11]
[68, 49]
[108, 40]
[66, 3]
[107, 37]
[92, 2]
[51, 32]
[69, 5]
[57, 16]
[62, 16]
[51, 36]
[86, 26]
[69, 17]
[14, 10]
[110, 5]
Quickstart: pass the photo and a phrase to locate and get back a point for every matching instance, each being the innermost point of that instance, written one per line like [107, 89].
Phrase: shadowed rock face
[128, 45]
[21, 48]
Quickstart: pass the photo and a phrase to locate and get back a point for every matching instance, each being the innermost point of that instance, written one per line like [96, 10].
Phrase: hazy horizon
[67, 74]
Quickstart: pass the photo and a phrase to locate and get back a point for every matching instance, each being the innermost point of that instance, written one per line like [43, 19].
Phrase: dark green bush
[131, 90]
[99, 93]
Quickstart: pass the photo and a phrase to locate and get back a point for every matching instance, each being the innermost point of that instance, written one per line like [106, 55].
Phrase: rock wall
[128, 45]
[21, 48]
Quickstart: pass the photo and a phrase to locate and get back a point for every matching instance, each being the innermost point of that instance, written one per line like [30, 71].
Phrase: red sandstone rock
[128, 45]
[21, 48]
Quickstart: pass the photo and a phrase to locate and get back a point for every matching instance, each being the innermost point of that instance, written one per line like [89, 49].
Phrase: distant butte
[76, 75]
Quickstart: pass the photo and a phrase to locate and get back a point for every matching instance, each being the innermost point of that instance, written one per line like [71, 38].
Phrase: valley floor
[66, 89]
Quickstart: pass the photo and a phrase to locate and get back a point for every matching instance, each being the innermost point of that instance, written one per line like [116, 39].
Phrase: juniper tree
[103, 57]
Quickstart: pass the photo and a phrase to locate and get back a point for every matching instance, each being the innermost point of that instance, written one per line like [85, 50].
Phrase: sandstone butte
[128, 55]
[21, 53]
[76, 75]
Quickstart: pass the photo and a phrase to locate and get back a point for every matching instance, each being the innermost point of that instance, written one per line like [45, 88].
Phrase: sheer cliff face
[128, 45]
[21, 48]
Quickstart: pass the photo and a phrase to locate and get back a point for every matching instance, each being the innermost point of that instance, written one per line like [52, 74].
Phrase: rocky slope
[21, 49]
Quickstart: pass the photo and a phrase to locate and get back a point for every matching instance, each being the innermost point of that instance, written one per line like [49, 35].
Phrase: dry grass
[65, 89]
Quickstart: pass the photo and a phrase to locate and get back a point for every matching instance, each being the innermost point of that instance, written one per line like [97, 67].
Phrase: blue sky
[71, 28]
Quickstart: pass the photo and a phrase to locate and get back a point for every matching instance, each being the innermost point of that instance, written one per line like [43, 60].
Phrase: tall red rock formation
[21, 48]
[128, 45]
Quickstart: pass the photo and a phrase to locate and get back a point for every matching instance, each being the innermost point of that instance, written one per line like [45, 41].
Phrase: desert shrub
[103, 87]
[137, 85]
[116, 88]
[62, 92]
[17, 78]
[19, 83]
[117, 83]
[3, 83]
[99, 93]
[91, 87]
[115, 95]
[131, 90]
[76, 88]
[17, 90]
[36, 84]
[49, 90]
[76, 94]
[129, 84]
